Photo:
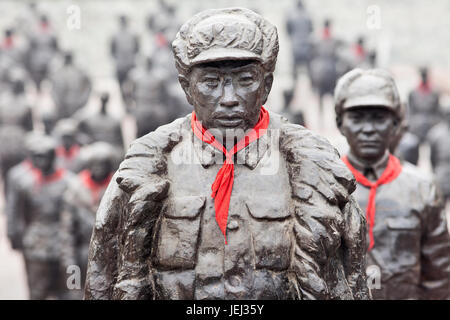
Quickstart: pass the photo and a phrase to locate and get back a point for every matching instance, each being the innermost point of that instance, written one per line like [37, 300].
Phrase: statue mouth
[229, 121]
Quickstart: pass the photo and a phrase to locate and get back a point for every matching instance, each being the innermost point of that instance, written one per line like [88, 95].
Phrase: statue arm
[435, 255]
[354, 242]
[329, 227]
[104, 246]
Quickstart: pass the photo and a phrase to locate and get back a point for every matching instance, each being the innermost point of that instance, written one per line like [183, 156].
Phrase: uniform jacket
[412, 243]
[294, 231]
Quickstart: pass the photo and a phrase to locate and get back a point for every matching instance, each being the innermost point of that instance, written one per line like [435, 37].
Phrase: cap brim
[370, 100]
[221, 54]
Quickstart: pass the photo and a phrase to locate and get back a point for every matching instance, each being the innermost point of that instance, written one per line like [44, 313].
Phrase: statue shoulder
[145, 163]
[317, 163]
[328, 219]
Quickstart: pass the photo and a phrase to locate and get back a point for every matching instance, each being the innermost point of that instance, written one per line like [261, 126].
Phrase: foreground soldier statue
[408, 237]
[281, 223]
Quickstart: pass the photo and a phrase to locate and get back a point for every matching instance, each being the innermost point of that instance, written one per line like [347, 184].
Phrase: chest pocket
[179, 231]
[270, 232]
[405, 235]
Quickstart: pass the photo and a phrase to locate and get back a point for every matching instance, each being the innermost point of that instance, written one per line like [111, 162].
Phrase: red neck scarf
[326, 33]
[95, 187]
[161, 40]
[424, 87]
[223, 184]
[68, 154]
[41, 179]
[8, 43]
[359, 51]
[389, 174]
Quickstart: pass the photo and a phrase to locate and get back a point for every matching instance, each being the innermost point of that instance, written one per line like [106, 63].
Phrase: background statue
[408, 238]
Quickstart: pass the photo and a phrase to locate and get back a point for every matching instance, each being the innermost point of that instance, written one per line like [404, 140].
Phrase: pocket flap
[186, 207]
[268, 207]
[403, 223]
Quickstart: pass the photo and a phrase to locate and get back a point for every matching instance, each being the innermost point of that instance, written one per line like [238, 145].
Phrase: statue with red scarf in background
[81, 201]
[34, 208]
[231, 201]
[409, 244]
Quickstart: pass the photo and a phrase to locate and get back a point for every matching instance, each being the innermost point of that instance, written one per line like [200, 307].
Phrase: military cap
[367, 88]
[99, 151]
[225, 34]
[39, 143]
[66, 127]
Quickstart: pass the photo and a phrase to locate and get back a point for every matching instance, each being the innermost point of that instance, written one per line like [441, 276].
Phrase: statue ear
[268, 81]
[185, 84]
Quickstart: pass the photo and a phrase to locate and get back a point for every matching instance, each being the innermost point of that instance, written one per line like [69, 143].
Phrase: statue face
[68, 141]
[369, 131]
[44, 161]
[228, 95]
[100, 169]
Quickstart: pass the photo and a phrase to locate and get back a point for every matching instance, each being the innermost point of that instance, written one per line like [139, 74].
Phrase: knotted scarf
[223, 184]
[389, 174]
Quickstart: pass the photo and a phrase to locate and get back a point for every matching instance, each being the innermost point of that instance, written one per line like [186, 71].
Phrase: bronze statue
[81, 202]
[324, 63]
[43, 46]
[101, 126]
[424, 107]
[34, 208]
[71, 88]
[299, 28]
[124, 48]
[409, 243]
[15, 120]
[280, 222]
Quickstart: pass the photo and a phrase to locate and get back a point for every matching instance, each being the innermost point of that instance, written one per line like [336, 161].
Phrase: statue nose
[229, 98]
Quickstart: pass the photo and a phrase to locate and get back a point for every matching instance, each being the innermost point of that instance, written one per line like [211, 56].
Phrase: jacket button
[233, 225]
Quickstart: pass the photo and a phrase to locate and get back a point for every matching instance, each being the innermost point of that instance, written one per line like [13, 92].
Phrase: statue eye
[245, 80]
[211, 82]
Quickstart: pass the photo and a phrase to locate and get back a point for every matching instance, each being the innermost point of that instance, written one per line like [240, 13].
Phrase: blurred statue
[15, 120]
[405, 146]
[34, 210]
[12, 50]
[280, 222]
[152, 105]
[71, 88]
[299, 28]
[295, 117]
[324, 72]
[48, 119]
[163, 23]
[438, 137]
[43, 46]
[124, 48]
[101, 126]
[14, 106]
[68, 149]
[409, 244]
[424, 109]
[82, 199]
